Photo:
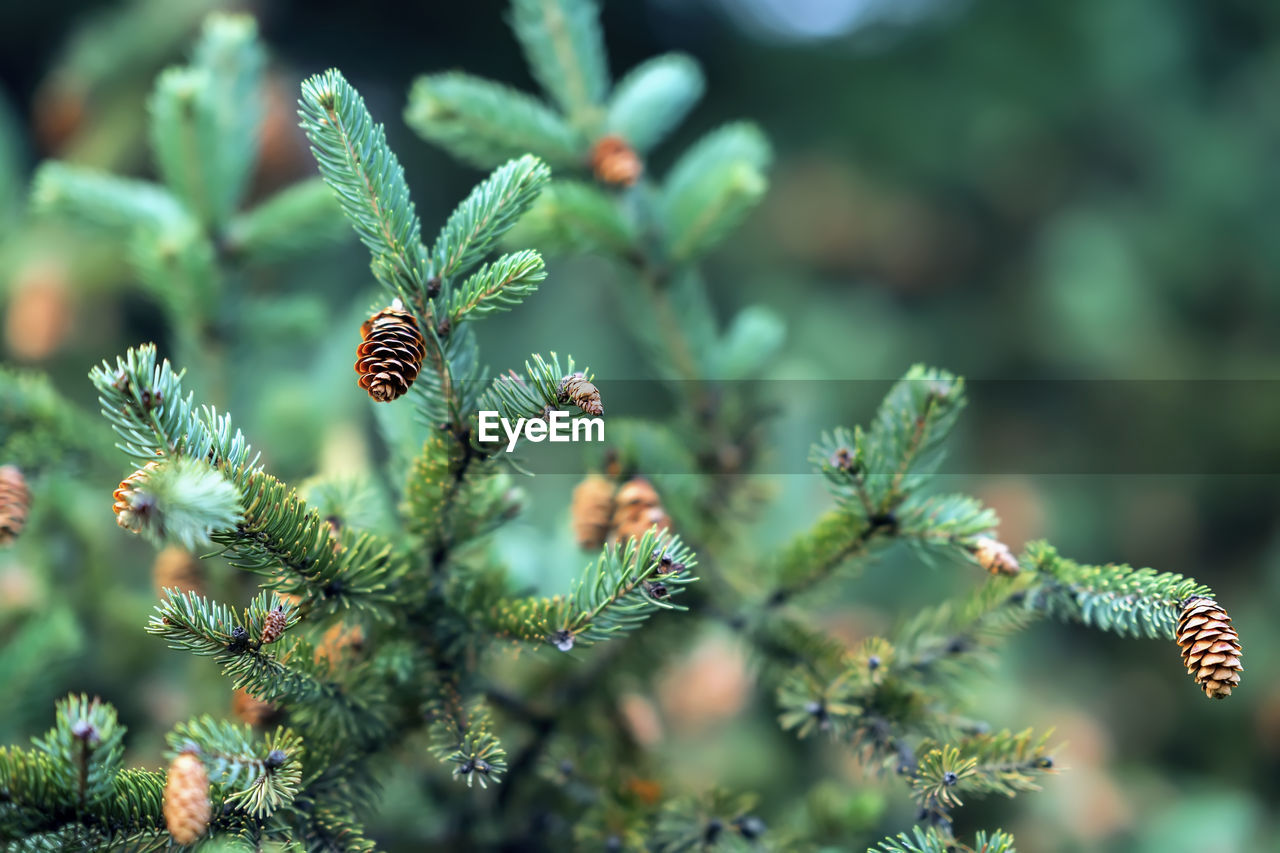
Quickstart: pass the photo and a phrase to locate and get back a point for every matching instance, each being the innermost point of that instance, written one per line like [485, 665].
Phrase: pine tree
[365, 644]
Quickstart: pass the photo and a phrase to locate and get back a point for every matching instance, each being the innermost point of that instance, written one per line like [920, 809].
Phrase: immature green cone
[186, 799]
[15, 501]
[1210, 646]
[390, 354]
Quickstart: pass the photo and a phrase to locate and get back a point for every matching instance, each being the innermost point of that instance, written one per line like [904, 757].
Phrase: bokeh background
[1076, 205]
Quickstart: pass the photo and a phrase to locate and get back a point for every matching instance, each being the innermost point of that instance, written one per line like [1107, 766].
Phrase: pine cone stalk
[1210, 646]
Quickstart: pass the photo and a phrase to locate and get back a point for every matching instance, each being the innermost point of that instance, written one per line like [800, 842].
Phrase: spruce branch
[368, 180]
[476, 225]
[117, 206]
[205, 117]
[540, 389]
[575, 216]
[935, 840]
[463, 737]
[290, 224]
[653, 98]
[486, 124]
[259, 778]
[565, 50]
[497, 286]
[1119, 598]
[627, 584]
[277, 533]
[712, 188]
[321, 706]
[1005, 763]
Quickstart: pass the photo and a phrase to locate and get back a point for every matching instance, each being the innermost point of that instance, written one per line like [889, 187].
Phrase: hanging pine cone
[15, 501]
[995, 556]
[637, 508]
[177, 567]
[575, 389]
[1210, 646]
[133, 506]
[390, 354]
[273, 626]
[592, 511]
[186, 799]
[615, 162]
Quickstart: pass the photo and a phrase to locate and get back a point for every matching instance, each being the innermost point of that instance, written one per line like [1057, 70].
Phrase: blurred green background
[1011, 190]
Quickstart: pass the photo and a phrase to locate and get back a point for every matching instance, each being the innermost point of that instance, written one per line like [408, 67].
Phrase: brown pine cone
[575, 389]
[995, 556]
[273, 626]
[177, 567]
[637, 508]
[615, 162]
[250, 709]
[186, 799]
[15, 502]
[592, 511]
[1210, 646]
[390, 354]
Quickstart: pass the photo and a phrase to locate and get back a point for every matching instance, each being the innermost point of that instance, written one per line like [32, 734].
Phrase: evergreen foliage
[433, 604]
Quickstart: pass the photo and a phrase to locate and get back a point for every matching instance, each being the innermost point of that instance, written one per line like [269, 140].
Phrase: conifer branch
[565, 49]
[368, 180]
[486, 124]
[1130, 602]
[277, 533]
[191, 622]
[475, 226]
[627, 584]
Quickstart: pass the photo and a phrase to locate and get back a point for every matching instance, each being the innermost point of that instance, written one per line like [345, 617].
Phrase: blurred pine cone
[592, 511]
[15, 502]
[186, 799]
[637, 508]
[177, 567]
[615, 162]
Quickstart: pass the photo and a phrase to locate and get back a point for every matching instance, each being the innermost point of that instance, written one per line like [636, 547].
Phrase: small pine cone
[39, 316]
[995, 556]
[615, 162]
[635, 523]
[177, 567]
[638, 508]
[575, 389]
[390, 354]
[250, 709]
[1210, 646]
[638, 492]
[186, 799]
[592, 511]
[132, 506]
[273, 626]
[15, 502]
